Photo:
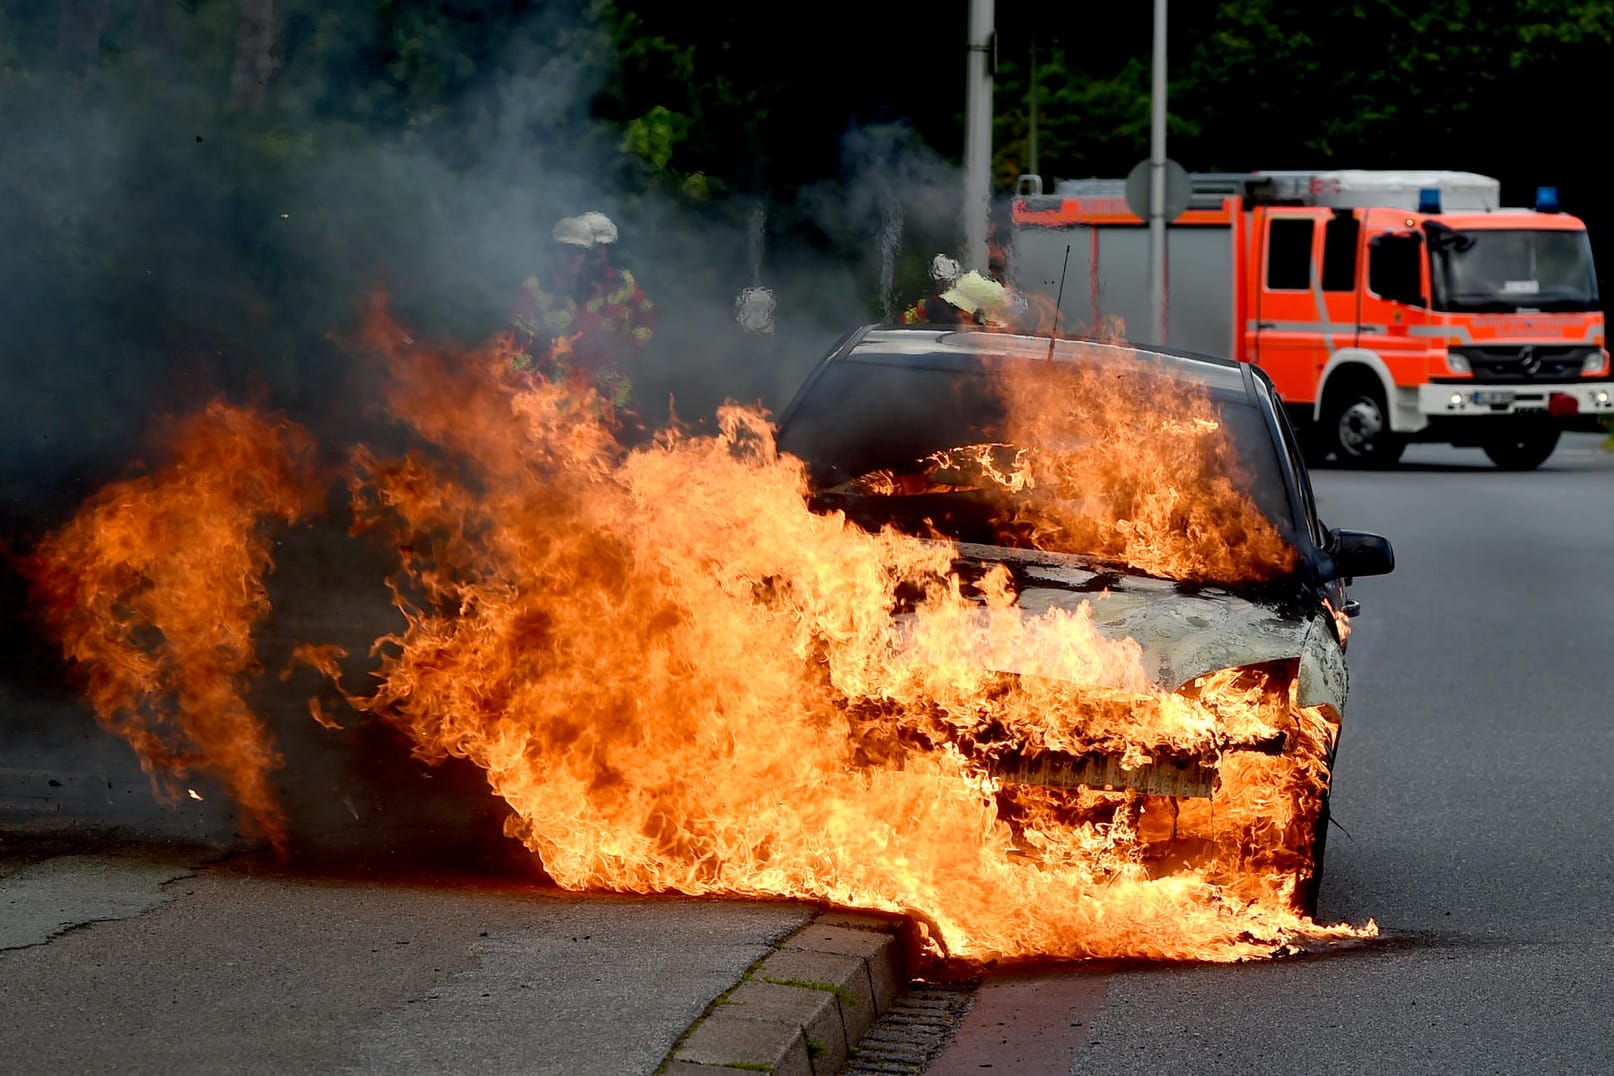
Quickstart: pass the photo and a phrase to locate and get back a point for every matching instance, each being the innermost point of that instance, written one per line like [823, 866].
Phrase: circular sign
[1179, 189]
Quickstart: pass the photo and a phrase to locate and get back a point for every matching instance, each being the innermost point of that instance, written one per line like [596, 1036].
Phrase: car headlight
[1457, 363]
[1594, 362]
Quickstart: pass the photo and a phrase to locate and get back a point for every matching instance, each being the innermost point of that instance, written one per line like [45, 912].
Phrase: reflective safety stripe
[1327, 327]
[1592, 335]
[1434, 332]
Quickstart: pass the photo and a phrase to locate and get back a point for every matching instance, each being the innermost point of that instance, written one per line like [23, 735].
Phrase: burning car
[1159, 498]
[1039, 643]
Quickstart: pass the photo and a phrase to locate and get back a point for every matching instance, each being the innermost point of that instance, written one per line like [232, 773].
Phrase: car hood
[1184, 630]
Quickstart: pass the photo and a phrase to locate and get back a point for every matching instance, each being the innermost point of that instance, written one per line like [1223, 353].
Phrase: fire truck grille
[1525, 364]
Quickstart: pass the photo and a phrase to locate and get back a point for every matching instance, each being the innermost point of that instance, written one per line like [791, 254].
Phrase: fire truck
[1387, 306]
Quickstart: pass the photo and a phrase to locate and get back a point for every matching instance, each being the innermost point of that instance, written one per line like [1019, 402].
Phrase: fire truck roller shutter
[1106, 282]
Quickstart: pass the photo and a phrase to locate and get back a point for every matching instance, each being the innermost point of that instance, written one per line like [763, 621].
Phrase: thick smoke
[169, 243]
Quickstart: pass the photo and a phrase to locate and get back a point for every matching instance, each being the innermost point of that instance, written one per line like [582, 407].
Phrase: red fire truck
[1387, 307]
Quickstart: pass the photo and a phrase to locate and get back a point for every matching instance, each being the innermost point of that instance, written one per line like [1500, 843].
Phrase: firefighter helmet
[943, 270]
[601, 225]
[574, 232]
[754, 308]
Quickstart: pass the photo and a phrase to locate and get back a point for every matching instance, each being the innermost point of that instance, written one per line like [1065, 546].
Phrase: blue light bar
[1429, 199]
[1546, 199]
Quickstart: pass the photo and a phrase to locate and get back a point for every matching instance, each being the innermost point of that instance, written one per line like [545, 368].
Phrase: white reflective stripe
[1442, 331]
[1593, 335]
[1322, 310]
[1302, 327]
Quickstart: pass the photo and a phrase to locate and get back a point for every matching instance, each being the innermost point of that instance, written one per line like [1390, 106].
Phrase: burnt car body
[886, 396]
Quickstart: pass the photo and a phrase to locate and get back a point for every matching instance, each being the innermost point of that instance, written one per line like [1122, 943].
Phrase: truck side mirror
[1360, 553]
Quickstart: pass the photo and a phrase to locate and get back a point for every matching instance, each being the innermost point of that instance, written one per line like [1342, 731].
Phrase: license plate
[1483, 398]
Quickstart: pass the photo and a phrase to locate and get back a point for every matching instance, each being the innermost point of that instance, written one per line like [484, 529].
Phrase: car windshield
[1164, 466]
[1498, 270]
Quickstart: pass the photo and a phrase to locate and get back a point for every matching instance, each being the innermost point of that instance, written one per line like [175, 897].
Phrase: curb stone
[800, 1010]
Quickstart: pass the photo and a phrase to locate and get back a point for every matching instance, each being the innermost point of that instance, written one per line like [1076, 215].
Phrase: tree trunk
[79, 33]
[254, 54]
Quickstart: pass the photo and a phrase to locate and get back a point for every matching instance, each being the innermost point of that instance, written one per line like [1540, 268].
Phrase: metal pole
[1157, 176]
[978, 134]
[1031, 148]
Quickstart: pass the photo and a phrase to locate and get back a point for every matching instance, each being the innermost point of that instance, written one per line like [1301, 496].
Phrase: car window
[1294, 461]
[862, 416]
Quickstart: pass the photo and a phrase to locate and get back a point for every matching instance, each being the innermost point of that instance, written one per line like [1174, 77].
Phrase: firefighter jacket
[587, 336]
[934, 310]
[543, 317]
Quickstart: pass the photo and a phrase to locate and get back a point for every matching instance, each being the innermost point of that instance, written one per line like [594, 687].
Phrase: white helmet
[944, 270]
[753, 309]
[601, 225]
[574, 232]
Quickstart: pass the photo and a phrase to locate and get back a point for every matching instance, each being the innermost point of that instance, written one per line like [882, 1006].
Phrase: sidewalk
[166, 958]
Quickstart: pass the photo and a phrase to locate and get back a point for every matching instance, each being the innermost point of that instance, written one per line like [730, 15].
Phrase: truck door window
[1289, 253]
[1339, 251]
[1395, 267]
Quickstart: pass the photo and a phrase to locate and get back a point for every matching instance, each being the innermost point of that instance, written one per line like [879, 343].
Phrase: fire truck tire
[1522, 451]
[1356, 424]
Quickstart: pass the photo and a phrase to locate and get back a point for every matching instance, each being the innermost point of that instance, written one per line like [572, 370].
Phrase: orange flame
[683, 680]
[1143, 471]
[152, 591]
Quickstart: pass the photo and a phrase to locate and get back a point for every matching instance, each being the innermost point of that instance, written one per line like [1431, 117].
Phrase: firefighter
[972, 299]
[619, 316]
[943, 272]
[547, 315]
[1015, 310]
[754, 311]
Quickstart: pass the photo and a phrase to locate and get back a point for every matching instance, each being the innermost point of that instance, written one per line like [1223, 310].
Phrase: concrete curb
[801, 1010]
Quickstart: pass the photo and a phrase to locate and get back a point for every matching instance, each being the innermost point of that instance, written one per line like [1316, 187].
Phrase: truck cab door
[1305, 296]
[1395, 296]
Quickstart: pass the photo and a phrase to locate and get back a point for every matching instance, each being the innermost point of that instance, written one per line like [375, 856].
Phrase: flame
[683, 680]
[1342, 620]
[152, 591]
[1140, 470]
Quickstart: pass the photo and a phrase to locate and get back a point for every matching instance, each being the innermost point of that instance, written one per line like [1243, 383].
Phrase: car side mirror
[1360, 553]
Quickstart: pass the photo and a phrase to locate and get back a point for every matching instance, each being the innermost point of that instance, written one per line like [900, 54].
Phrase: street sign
[1179, 188]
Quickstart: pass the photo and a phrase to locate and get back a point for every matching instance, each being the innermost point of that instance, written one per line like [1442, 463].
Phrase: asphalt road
[1474, 786]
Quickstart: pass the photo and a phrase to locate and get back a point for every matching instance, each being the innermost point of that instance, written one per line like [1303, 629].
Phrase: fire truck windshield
[1504, 270]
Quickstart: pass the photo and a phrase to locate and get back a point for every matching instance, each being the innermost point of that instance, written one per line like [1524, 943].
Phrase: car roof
[944, 346]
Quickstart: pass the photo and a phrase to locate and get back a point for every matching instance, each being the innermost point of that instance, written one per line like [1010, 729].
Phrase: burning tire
[1311, 890]
[1522, 451]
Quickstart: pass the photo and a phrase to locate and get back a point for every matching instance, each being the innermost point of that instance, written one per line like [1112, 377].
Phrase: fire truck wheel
[1522, 451]
[1357, 425]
